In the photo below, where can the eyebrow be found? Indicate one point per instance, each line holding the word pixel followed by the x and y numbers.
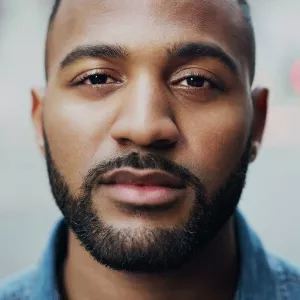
pixel 203 50
pixel 94 51
pixel 182 51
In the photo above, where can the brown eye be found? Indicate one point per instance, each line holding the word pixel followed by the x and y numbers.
pixel 199 81
pixel 98 79
pixel 196 81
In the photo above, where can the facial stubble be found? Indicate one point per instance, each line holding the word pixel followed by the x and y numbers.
pixel 146 250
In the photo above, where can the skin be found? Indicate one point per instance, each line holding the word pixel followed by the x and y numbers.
pixel 148 107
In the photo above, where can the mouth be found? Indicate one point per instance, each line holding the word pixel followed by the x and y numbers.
pixel 142 187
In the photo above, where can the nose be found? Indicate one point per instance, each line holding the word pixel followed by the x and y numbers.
pixel 146 118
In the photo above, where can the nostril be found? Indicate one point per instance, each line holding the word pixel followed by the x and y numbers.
pixel 163 143
pixel 123 141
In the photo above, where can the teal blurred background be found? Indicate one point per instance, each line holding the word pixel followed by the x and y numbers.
pixel 271 199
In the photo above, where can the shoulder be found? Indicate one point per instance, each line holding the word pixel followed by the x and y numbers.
pixel 20 287
pixel 39 282
pixel 287 277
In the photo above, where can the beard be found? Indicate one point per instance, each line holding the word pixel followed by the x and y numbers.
pixel 146 250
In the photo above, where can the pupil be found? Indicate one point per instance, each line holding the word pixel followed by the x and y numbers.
pixel 196 81
pixel 98 79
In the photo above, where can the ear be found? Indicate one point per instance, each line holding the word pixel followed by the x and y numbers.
pixel 260 97
pixel 37 107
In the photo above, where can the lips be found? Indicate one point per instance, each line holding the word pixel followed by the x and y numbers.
pixel 142 187
pixel 142 178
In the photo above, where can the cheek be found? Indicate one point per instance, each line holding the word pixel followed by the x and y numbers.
pixel 75 131
pixel 216 140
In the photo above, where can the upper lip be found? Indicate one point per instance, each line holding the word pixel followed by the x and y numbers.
pixel 142 177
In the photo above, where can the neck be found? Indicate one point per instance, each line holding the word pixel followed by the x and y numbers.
pixel 213 275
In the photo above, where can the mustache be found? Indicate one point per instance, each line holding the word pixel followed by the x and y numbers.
pixel 138 161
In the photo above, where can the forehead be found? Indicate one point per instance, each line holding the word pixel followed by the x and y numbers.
pixel 145 24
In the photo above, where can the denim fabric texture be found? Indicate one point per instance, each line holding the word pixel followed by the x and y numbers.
pixel 262 276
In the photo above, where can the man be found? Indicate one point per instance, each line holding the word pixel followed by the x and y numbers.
pixel 148 124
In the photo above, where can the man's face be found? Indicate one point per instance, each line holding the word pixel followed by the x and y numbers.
pixel 146 125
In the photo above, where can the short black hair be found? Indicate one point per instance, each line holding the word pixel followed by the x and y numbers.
pixel 54 11
pixel 251 43
pixel 247 16
pixel 243 3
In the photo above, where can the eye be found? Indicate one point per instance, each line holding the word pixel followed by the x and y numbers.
pixel 198 81
pixel 98 79
pixel 195 81
pixel 95 78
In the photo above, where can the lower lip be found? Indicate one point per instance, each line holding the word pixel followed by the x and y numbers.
pixel 143 195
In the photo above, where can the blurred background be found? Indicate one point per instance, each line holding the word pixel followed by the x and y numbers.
pixel 271 199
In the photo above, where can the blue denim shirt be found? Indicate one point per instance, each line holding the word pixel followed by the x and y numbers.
pixel 262 276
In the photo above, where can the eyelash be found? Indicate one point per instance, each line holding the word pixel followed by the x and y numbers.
pixel 79 80
pixel 215 84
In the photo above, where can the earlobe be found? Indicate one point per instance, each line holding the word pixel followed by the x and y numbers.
pixel 260 97
pixel 37 105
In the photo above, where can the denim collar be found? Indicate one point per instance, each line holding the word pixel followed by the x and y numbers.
pixel 256 280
